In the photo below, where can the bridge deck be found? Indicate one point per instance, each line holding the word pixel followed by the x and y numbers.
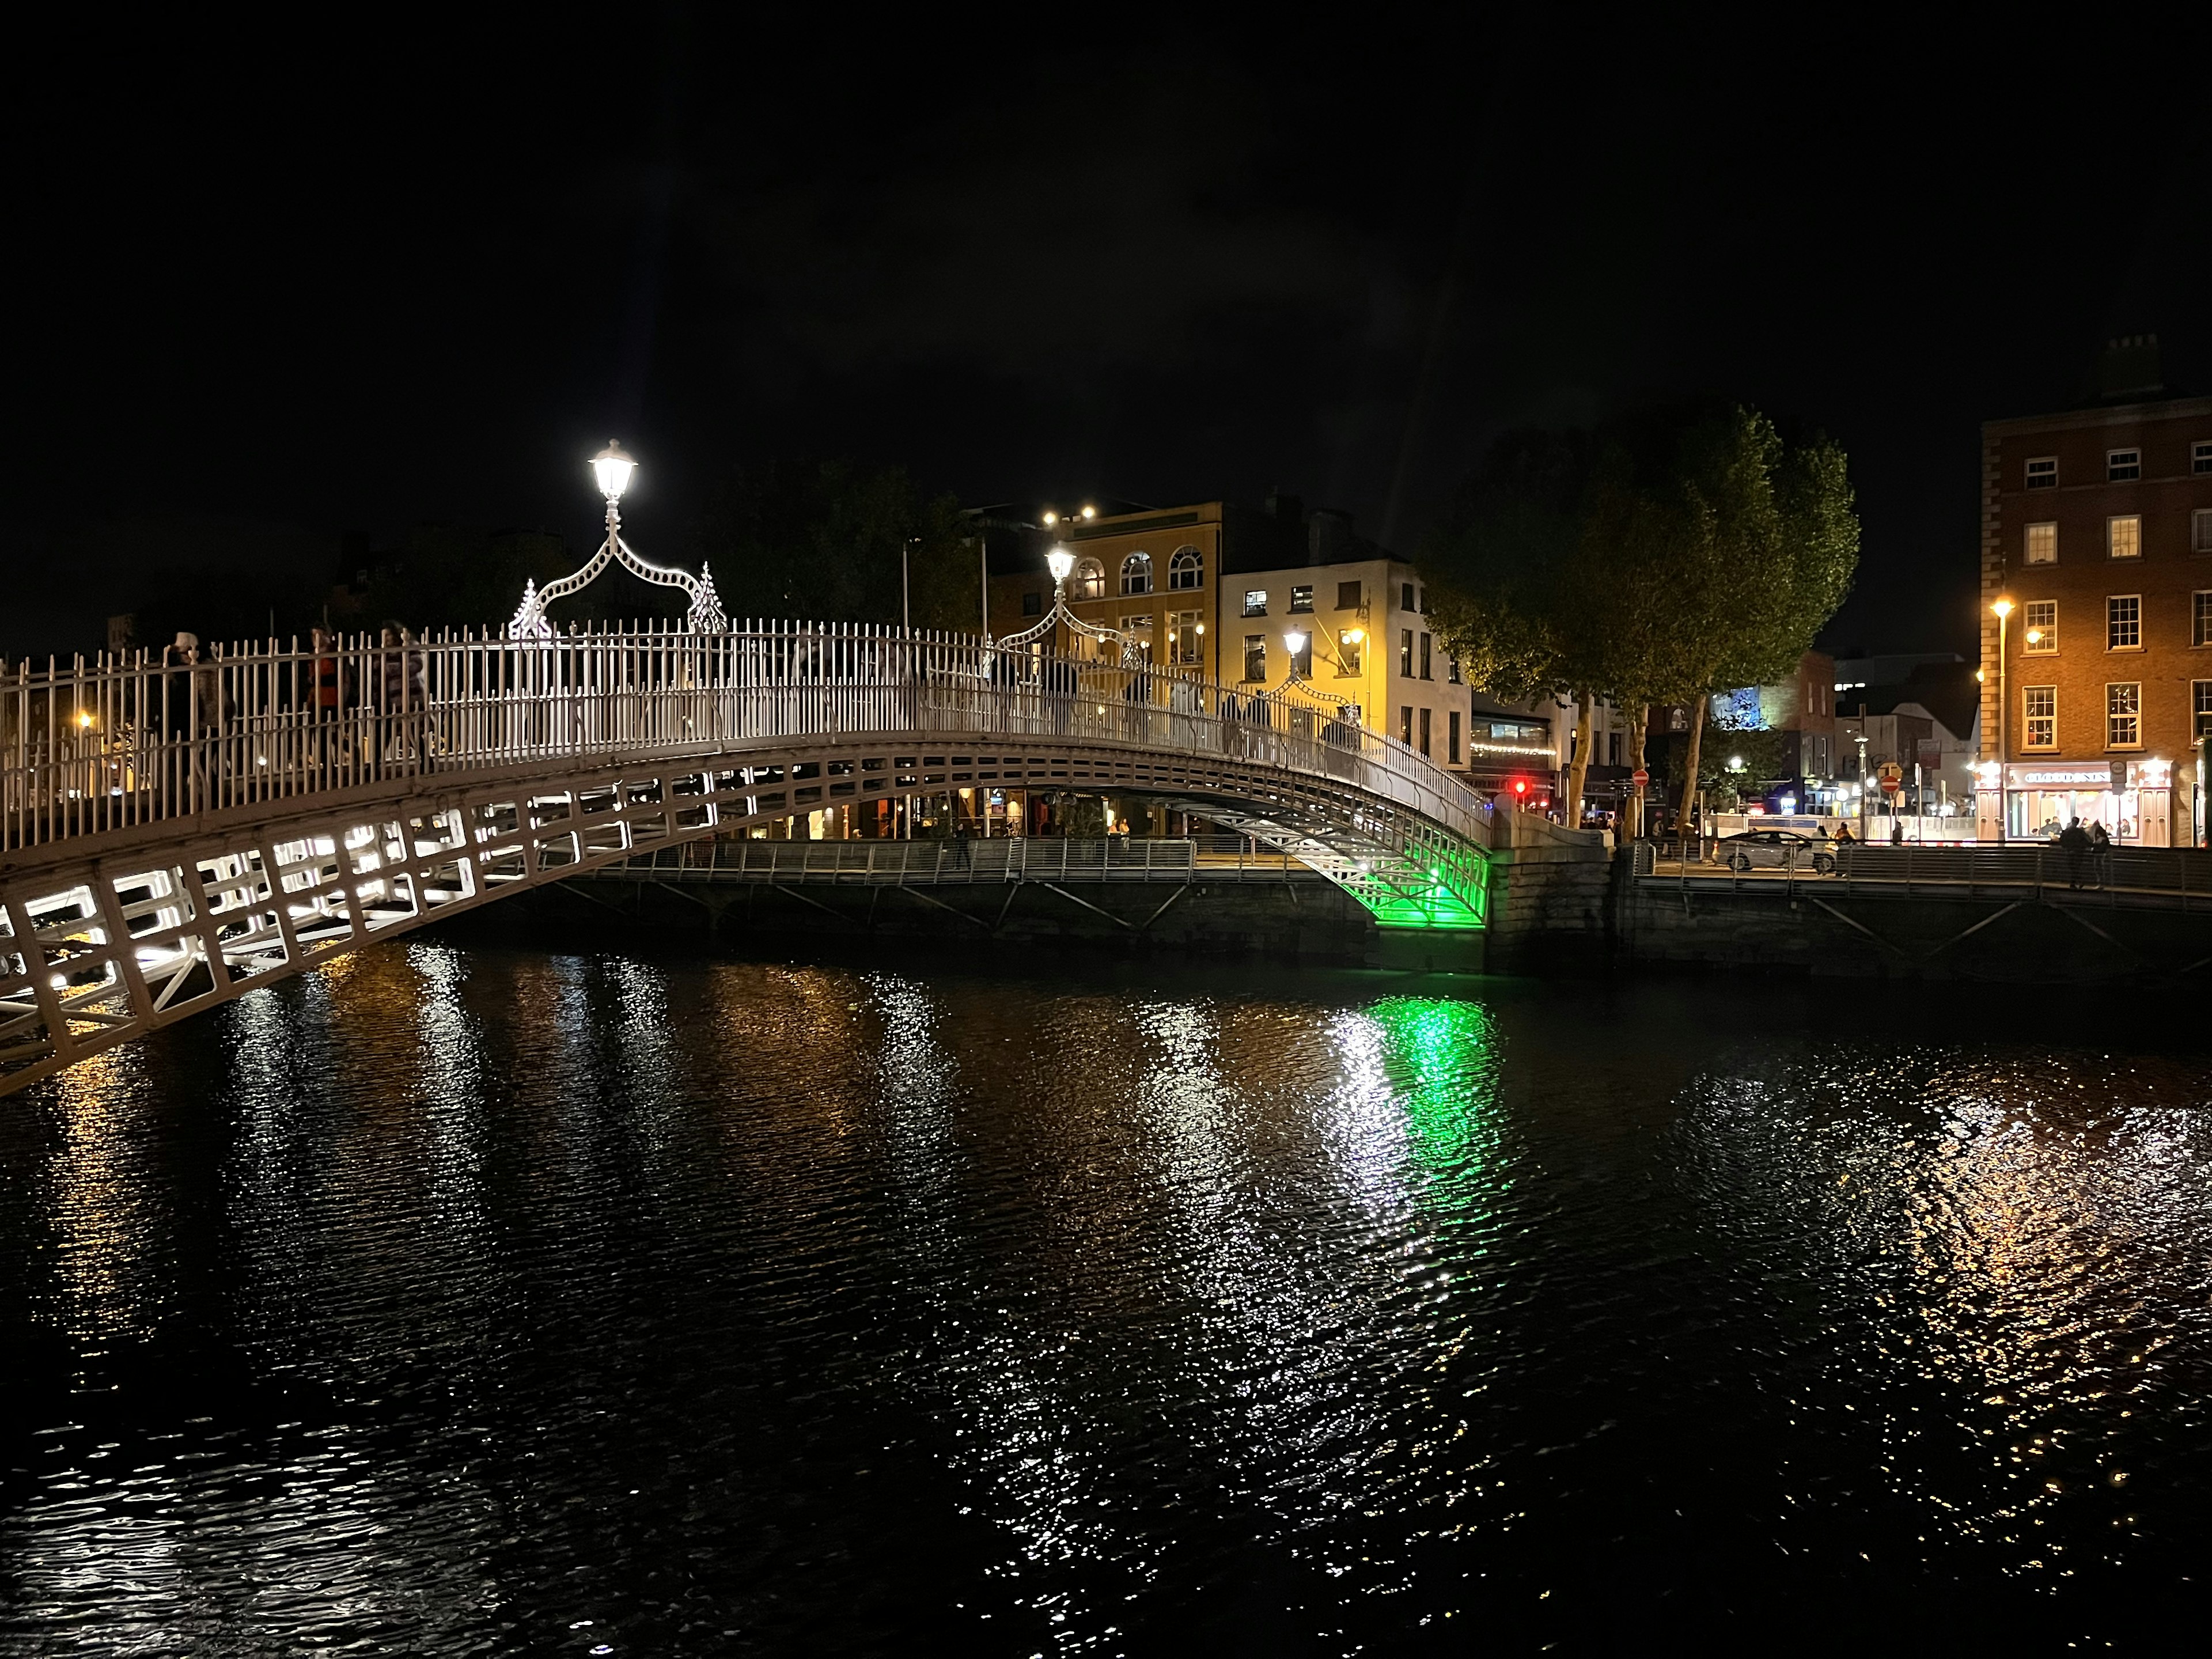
pixel 955 862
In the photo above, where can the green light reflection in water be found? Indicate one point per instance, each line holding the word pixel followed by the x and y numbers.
pixel 1442 1054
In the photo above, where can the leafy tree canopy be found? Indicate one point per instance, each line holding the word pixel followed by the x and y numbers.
pixel 821 540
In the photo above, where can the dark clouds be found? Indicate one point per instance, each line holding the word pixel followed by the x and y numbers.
pixel 416 271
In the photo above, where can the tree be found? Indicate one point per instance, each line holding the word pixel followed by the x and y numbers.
pixel 1660 560
pixel 822 540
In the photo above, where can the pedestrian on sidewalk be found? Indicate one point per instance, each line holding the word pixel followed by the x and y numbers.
pixel 2075 839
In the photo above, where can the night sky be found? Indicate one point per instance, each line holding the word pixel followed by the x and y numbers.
pixel 271 288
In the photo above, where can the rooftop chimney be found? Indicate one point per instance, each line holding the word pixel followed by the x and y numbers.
pixel 2129 369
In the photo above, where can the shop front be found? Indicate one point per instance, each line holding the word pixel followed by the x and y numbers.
pixel 2133 800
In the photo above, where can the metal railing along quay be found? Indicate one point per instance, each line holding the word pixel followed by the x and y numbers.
pixel 954 861
pixel 2176 876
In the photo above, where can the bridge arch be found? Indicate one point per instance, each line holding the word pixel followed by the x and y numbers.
pixel 174 834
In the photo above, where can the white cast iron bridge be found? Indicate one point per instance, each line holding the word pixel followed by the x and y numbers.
pixel 174 833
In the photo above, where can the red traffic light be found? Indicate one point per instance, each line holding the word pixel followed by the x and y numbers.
pixel 1520 786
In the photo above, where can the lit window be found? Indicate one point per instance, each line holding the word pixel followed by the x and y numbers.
pixel 2039 729
pixel 1302 659
pixel 1451 671
pixel 2200 616
pixel 1406 654
pixel 1302 598
pixel 1349 597
pixel 1139 630
pixel 2201 706
pixel 2123 464
pixel 1186 633
pixel 1137 573
pixel 2123 536
pixel 2200 456
pixel 1347 651
pixel 2042 544
pixel 1090 580
pixel 2200 530
pixel 2123 622
pixel 1406 727
pixel 2040 634
pixel 2124 715
pixel 1187 568
pixel 1255 656
pixel 1255 601
pixel 2042 474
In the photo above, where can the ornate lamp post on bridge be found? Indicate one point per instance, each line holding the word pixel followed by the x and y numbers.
pixel 611 468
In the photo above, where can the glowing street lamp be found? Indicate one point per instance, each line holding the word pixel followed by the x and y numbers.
pixel 2002 607
pixel 1060 563
pixel 611 469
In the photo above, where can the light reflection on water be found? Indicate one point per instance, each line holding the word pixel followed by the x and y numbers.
pixel 480 1301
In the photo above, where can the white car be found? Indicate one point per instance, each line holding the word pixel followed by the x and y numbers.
pixel 1781 849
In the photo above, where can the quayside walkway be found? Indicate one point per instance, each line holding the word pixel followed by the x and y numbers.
pixel 175 832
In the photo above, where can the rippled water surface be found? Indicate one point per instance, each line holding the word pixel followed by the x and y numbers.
pixel 483 1300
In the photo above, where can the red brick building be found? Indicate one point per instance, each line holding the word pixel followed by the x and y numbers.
pixel 2097 542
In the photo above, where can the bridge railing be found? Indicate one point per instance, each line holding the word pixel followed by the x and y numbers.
pixel 105 744
pixel 939 862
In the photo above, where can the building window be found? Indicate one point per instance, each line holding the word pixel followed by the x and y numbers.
pixel 2200 702
pixel 1451 671
pixel 1349 597
pixel 1186 568
pixel 2123 536
pixel 1406 727
pixel 2123 622
pixel 1137 573
pixel 2043 473
pixel 1302 659
pixel 1406 596
pixel 2200 456
pixel 1032 604
pixel 1427 717
pixel 1613 748
pixel 1302 598
pixel 1677 719
pixel 1186 633
pixel 2200 530
pixel 2038 707
pixel 1255 601
pixel 1090 580
pixel 1406 652
pixel 2124 715
pixel 1347 651
pixel 2122 465
pixel 1451 736
pixel 1139 630
pixel 1425 674
pixel 2041 636
pixel 2200 616
pixel 1255 656
pixel 2041 546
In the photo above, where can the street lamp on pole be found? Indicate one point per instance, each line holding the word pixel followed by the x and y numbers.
pixel 611 470
pixel 2003 609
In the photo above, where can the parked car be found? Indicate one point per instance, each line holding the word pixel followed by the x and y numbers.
pixel 1784 849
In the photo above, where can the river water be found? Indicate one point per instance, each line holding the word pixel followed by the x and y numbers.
pixel 470 1298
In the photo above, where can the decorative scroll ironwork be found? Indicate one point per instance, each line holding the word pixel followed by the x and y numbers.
pixel 705 616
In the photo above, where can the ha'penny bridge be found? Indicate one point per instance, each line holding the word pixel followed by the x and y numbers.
pixel 174 832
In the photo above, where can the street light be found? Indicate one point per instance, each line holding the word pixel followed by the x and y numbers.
pixel 1060 563
pixel 612 468
pixel 2003 609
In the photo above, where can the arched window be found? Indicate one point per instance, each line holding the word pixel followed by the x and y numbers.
pixel 1137 573
pixel 1090 580
pixel 1185 569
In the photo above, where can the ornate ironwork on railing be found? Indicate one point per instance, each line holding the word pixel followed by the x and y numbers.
pixel 101 746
